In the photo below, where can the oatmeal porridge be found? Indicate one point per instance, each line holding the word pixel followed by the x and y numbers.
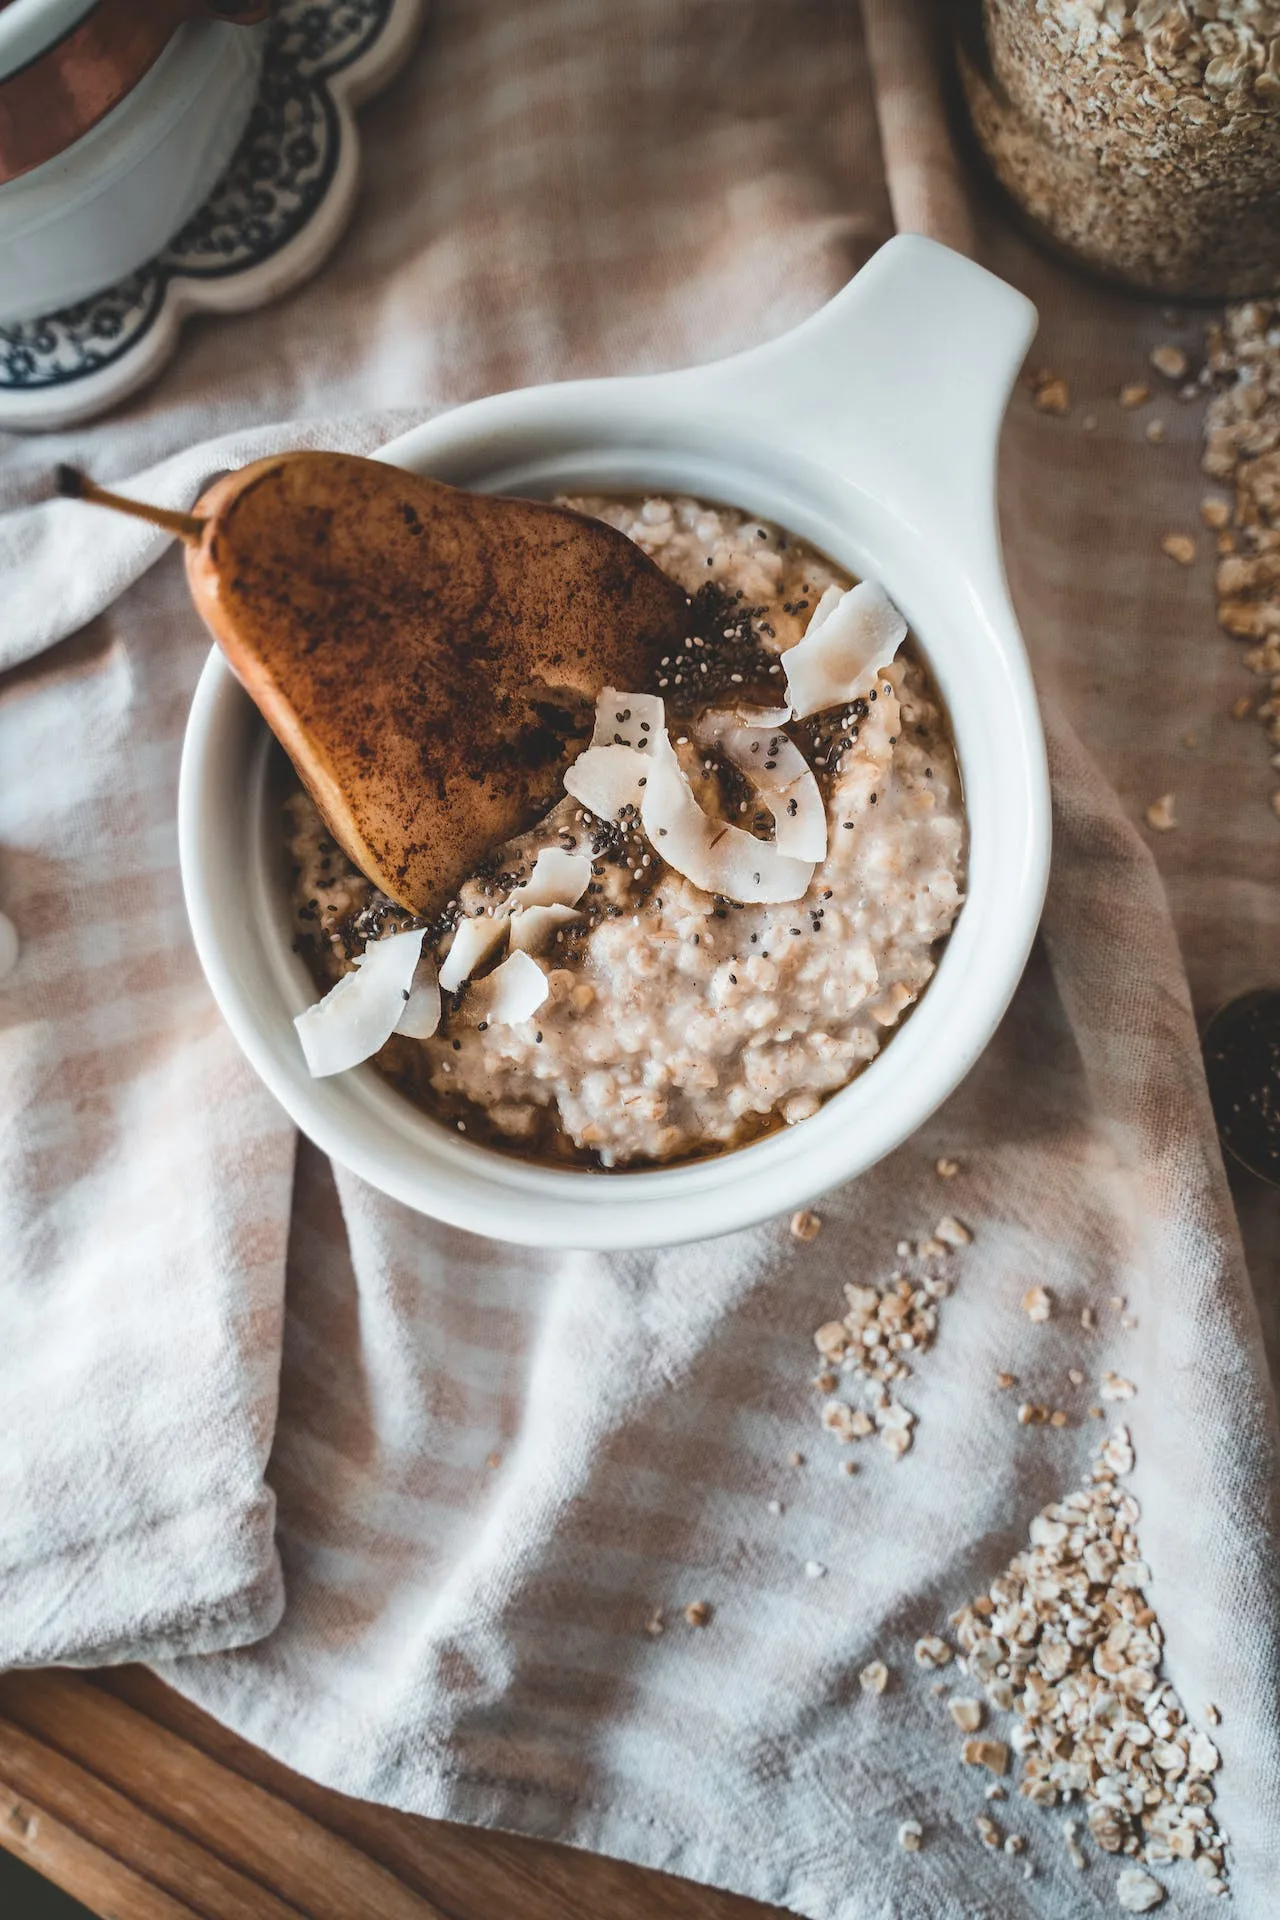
pixel 730 909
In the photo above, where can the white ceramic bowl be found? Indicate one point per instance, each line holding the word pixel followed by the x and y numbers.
pixel 89 216
pixel 870 431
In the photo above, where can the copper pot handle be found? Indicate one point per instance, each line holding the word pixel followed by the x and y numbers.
pixel 56 98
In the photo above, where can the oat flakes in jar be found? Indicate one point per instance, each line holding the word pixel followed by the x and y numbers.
pixel 1142 136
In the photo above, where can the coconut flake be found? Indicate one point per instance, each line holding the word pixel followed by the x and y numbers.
pixel 837 663
pixel 781 776
pixel 758 716
pixel 421 1014
pixel 474 939
pixel 555 886
pixel 610 775
pixel 715 856
pixel 800 820
pixel 532 928
pixel 515 991
pixel 559 879
pixel 608 780
pixel 826 606
pixel 627 719
pixel 360 1013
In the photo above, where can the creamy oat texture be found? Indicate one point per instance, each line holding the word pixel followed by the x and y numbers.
pixel 677 1023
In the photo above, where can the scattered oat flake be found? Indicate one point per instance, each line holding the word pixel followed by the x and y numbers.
pixel 1242 706
pixel 1212 1715
pixel 1057 1418
pixel 1037 1304
pixel 805 1225
pixel 874 1677
pixel 1137 1892
pixel 493 1460
pixel 814 1570
pixel 1171 361
pixel 776 1507
pixel 795 1459
pixel 988 1832
pixel 655 1624
pixel 1051 394
pixel 932 1651
pixel 910 1836
pixel 1070 1828
pixel 967 1714
pixel 698 1613
pixel 1066 1638
pixel 946 1169
pixel 831 1339
pixel 991 1754
pixel 886 1326
pixel 1161 817
pixel 953 1232
pixel 1154 431
pixel 1135 394
pixel 1180 547
pixel 1015 1843
pixel 838 1418
pixel 1214 512
pixel 1075 1376
pixel 1090 423
pixel 1086 1319
pixel 1004 1380
pixel 1114 1386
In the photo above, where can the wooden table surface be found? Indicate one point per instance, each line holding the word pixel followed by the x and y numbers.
pixel 145 1809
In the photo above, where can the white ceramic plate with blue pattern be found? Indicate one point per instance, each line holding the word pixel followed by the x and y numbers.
pixel 272 220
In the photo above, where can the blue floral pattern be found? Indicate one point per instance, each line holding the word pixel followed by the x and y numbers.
pixel 279 175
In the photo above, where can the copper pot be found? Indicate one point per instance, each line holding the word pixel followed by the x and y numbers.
pixel 48 104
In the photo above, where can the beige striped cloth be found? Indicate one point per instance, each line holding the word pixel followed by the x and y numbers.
pixel 397 1503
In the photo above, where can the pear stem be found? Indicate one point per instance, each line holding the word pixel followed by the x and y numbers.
pixel 74 485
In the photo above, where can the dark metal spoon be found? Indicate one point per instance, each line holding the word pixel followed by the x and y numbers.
pixel 1242 1061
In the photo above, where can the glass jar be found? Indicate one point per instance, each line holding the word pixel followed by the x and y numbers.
pixel 1143 136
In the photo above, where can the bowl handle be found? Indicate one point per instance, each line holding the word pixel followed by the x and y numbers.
pixel 898 385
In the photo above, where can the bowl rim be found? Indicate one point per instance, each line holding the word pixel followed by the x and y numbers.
pixel 644 433
pixel 642 1198
pixel 30 28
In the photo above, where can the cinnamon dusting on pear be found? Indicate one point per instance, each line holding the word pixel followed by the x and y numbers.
pixel 429 658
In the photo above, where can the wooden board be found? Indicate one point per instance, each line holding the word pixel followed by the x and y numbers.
pixel 143 1808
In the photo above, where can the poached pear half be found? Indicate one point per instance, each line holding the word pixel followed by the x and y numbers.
pixel 428 658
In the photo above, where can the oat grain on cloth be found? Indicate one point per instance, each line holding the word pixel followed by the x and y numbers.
pixel 478 1480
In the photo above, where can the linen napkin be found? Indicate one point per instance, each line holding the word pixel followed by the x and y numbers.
pixel 493 1474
